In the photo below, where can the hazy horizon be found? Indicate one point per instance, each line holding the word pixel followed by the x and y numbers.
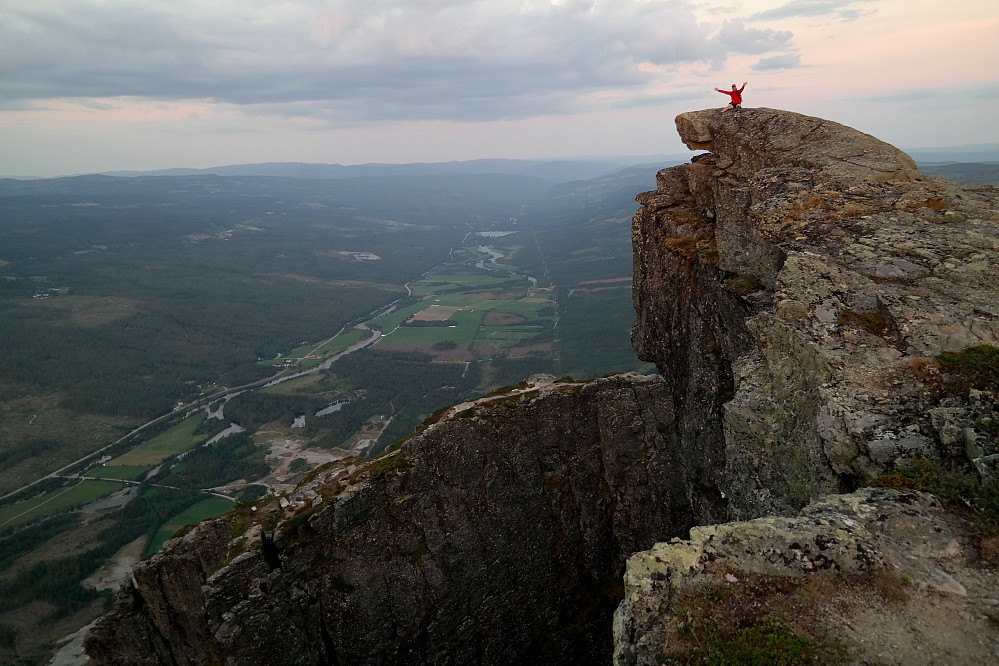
pixel 91 86
pixel 982 152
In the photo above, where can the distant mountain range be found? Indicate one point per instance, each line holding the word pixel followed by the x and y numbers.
pixel 981 152
pixel 556 170
pixel 966 164
pixel 964 172
pixel 977 163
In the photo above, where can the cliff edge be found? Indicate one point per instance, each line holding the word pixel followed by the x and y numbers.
pixel 795 287
pixel 804 272
pixel 862 288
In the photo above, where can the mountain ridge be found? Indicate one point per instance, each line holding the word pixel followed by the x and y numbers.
pixel 793 286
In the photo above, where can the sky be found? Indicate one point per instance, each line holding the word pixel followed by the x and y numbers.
pixel 98 85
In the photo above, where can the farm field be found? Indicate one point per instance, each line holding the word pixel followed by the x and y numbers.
pixel 293 385
pixel 176 440
pixel 469 308
pixel 309 355
pixel 342 341
pixel 127 472
pixel 207 508
pixel 14 515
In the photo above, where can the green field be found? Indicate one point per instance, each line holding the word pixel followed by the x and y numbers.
pixel 176 440
pixel 293 385
pixel 330 348
pixel 467 322
pixel 396 317
pixel 129 472
pixel 342 341
pixel 55 501
pixel 452 283
pixel 506 337
pixel 207 508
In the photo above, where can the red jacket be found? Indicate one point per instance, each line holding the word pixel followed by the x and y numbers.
pixel 736 95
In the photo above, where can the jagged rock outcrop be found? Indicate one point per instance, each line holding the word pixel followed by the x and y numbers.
pixel 793 286
pixel 496 536
pixel 807 275
pixel 880 570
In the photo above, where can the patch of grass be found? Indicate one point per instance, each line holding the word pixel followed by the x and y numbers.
pixel 382 467
pixel 419 553
pixel 952 486
pixel 978 365
pixel 128 472
pixel 54 502
pixel 297 385
pixel 758 620
pixel 764 643
pixel 186 520
pixel 177 439
pixel 875 323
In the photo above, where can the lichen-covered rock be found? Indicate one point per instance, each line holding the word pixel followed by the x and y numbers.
pixel 907 535
pixel 753 140
pixel 794 287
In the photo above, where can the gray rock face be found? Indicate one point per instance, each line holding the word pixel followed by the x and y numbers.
pixel 872 535
pixel 792 286
pixel 496 536
pixel 753 140
pixel 810 267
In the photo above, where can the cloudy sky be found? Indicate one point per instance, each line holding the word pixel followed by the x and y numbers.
pixel 97 85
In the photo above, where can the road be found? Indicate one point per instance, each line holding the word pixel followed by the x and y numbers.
pixel 204 400
pixel 361 323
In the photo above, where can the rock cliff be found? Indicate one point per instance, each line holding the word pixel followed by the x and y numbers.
pixel 807 275
pixel 793 286
pixel 872 577
pixel 497 535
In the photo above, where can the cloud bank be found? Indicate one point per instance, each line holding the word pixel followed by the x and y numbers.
pixel 845 10
pixel 349 60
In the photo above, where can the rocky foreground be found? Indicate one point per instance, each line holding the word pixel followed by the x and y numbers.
pixel 795 286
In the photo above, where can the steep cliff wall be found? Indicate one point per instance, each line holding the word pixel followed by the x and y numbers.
pixel 855 275
pixel 806 275
pixel 497 536
pixel 792 286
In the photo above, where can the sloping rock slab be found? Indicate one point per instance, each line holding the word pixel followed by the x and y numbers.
pixel 951 606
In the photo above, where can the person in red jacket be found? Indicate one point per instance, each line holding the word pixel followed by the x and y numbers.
pixel 736 96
